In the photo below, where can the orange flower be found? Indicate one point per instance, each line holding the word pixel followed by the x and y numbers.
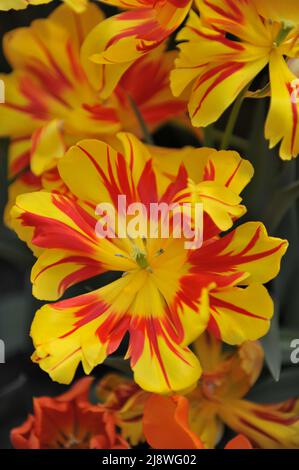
pixel 166 426
pixel 68 421
pixel 196 420
pixel 219 399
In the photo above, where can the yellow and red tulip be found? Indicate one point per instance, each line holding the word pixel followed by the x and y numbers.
pixel 196 420
pixel 166 301
pixel 50 102
pixel 115 44
pixel 224 49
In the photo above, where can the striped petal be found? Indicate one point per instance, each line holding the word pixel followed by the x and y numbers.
pixel 240 18
pixel 247 250
pixel 48 82
pixel 236 316
pixel 215 179
pixel 26 183
pixel 218 86
pixel 47 146
pixel 88 328
pixel 153 96
pixel 110 173
pixel 246 256
pixel 19 155
pixel 266 426
pixel 120 40
pixel 282 124
pixel 66 233
pixel 217 68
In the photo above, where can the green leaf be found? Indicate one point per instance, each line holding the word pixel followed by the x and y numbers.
pixel 281 203
pixel 266 166
pixel 271 345
pixel 14 250
pixel 14 325
pixel 269 391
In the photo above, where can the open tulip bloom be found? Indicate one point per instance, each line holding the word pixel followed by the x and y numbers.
pixel 166 295
pixel 224 49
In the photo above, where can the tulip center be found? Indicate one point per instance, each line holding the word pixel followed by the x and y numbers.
pixel 141 260
pixel 282 35
pixel 140 255
pixel 71 441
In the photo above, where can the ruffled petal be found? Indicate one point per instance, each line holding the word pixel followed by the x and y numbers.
pixel 282 124
pixel 88 328
pixel 166 423
pixel 66 233
pixel 248 249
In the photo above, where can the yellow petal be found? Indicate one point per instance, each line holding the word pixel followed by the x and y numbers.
pixel 20 4
pixel 277 10
pixel 77 25
pixel 282 123
pixel 47 147
pixel 239 315
pixel 254 252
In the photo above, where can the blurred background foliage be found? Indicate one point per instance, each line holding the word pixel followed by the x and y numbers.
pixel 271 197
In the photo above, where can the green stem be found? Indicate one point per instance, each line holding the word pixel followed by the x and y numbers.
pixel 233 119
pixel 146 134
pixel 236 141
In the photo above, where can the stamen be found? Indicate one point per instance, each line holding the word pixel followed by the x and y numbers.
pixel 160 252
pixel 141 260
